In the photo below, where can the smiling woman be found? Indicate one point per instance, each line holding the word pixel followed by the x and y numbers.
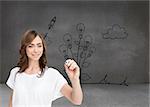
pixel 33 48
pixel 34 84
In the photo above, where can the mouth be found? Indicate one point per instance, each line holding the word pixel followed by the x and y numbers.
pixel 35 55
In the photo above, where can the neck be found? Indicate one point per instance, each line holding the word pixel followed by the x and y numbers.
pixel 33 67
pixel 33 63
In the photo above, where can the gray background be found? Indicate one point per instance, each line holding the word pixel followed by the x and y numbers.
pixel 0 45
pixel 118 58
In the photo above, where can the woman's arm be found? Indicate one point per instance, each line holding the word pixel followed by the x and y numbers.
pixel 74 93
pixel 10 101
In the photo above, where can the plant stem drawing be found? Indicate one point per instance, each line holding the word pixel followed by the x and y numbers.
pixel 80 50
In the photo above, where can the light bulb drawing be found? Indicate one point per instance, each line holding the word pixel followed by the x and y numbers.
pixel 80 50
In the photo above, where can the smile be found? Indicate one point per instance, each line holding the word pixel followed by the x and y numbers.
pixel 35 55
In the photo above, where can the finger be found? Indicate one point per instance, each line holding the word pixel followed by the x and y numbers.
pixel 73 66
pixel 69 62
pixel 66 68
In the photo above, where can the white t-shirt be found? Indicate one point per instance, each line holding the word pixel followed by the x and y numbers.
pixel 31 91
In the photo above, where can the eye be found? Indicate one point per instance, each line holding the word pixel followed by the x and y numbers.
pixel 39 46
pixel 30 46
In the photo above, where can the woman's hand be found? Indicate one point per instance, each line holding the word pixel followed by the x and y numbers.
pixel 72 69
pixel 74 93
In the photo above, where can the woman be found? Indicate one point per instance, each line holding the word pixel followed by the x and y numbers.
pixel 36 85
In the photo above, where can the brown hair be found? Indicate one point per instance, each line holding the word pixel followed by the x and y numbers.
pixel 28 37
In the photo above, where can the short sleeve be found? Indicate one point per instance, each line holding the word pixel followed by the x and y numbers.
pixel 60 82
pixel 11 79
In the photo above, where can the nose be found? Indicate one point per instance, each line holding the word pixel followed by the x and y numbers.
pixel 35 49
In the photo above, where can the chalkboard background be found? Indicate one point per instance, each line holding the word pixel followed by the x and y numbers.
pixel 0 43
pixel 119 32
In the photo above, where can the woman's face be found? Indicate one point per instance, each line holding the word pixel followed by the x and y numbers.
pixel 35 49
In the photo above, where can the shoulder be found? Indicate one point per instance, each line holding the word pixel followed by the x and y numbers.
pixel 52 71
pixel 14 70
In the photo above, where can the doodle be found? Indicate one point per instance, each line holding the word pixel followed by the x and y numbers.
pixel 63 50
pixel 52 22
pixel 124 82
pixel 50 26
pixel 115 32
pixel 80 28
pixel 47 39
pixel 105 81
pixel 82 47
